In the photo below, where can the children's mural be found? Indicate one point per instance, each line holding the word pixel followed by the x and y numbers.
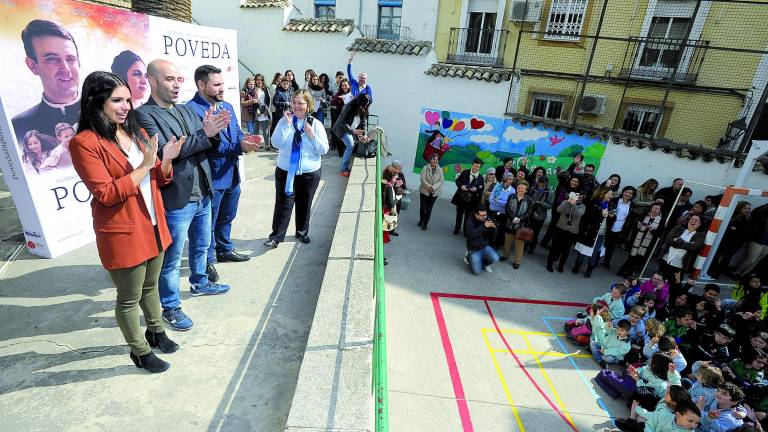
pixel 459 138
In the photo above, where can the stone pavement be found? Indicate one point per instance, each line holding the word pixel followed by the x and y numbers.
pixel 64 365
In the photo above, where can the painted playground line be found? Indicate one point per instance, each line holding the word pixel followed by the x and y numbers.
pixel 555 402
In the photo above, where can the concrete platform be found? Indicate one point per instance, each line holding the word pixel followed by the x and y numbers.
pixel 64 366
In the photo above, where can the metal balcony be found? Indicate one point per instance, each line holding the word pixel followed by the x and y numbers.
pixel 475 46
pixel 662 59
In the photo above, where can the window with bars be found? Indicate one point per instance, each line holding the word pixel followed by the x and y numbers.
pixel 642 119
pixel 566 19
pixel 547 105
pixel 325 8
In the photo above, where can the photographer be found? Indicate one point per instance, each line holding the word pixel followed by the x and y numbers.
pixel 480 234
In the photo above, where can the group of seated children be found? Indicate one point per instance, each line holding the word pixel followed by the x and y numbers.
pixel 690 362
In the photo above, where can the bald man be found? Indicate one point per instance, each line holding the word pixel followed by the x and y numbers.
pixel 187 199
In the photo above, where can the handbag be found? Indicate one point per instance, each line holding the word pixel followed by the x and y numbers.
pixel 524 233
pixel 616 385
pixel 465 195
pixel 405 203
pixel 390 220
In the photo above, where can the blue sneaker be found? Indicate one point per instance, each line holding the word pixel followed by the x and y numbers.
pixel 177 319
pixel 210 289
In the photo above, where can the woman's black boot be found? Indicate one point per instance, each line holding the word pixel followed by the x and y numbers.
pixel 161 340
pixel 150 362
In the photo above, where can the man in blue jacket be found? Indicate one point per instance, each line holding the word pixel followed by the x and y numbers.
pixel 223 160
pixel 359 85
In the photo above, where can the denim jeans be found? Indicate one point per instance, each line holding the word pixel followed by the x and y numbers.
pixel 250 126
pixel 481 258
pixel 223 212
pixel 347 158
pixel 595 347
pixel 192 221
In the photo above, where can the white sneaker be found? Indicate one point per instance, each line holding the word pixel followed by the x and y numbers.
pixel 706 278
pixel 488 269
pixel 466 257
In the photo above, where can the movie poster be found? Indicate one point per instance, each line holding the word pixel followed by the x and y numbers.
pixel 459 138
pixel 49 48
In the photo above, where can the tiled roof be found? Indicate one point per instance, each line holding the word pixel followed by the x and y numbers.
pixel 263 3
pixel 482 73
pixel 323 25
pixel 681 150
pixel 386 46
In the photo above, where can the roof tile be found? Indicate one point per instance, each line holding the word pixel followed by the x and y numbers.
pixel 386 46
pixel 480 73
pixel 319 25
pixel 263 3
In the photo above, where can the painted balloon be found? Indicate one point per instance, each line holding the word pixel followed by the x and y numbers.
pixel 447 123
pixel 431 117
pixel 476 123
pixel 446 114
pixel 458 126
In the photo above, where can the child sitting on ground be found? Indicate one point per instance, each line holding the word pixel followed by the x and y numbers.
pixel 746 370
pixel 674 396
pixel 653 379
pixel 714 347
pixel 678 325
pixel 608 345
pixel 612 300
pixel 686 417
pixel 637 331
pixel 708 379
pixel 647 301
pixel 725 413
pixel 668 346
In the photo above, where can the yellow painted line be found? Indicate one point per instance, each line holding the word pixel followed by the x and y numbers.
pixel 523 332
pixel 543 353
pixel 549 382
pixel 504 384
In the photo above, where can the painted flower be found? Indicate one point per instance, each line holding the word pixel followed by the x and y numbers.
pixel 552 159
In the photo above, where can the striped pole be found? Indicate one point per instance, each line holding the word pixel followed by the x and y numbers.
pixel 718 221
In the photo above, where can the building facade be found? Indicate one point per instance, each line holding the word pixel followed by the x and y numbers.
pixel 682 71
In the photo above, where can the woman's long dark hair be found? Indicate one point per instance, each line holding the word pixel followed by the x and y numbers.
pixel 659 365
pixel 97 89
pixel 359 105
pixel 47 143
pixel 294 84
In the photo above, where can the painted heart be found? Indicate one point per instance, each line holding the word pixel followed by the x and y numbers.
pixel 458 126
pixel 476 123
pixel 447 123
pixel 431 117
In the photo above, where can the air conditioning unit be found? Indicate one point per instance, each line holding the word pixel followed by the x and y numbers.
pixel 592 104
pixel 525 11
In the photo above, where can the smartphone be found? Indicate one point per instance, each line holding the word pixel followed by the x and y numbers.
pixel 573 196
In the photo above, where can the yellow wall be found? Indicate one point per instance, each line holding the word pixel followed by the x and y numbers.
pixel 695 118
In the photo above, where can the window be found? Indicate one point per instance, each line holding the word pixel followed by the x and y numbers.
pixel 481 28
pixel 566 18
pixel 547 105
pixel 665 36
pixel 325 8
pixel 642 119
pixel 390 14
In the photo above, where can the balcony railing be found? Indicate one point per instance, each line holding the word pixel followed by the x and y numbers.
pixel 658 59
pixel 477 46
pixel 390 32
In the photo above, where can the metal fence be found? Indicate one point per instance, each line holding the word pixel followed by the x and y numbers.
pixel 477 46
pixel 380 388
pixel 693 72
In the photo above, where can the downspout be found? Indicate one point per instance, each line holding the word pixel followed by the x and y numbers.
pixel 360 15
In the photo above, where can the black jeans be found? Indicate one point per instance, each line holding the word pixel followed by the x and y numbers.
pixel 562 242
pixel 426 202
pixel 551 228
pixel 304 187
pixel 612 239
pixel 462 214
pixel 669 272
pixel 536 225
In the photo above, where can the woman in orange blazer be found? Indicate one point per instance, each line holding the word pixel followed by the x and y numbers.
pixel 119 165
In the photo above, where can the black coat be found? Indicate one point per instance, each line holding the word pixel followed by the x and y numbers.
pixel 590 223
pixel 524 212
pixel 478 235
pixel 692 248
pixel 463 180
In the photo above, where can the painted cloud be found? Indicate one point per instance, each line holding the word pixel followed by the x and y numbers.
pixel 516 135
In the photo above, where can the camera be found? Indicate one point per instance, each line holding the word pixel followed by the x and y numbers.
pixel 573 196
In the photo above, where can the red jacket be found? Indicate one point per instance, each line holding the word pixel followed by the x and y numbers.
pixel 125 236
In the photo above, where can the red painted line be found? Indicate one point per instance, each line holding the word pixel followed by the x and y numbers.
pixel 508 299
pixel 453 370
pixel 525 371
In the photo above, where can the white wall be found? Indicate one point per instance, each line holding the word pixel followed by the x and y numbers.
pixel 637 165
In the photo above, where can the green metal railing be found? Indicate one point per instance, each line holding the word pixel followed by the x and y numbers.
pixel 380 389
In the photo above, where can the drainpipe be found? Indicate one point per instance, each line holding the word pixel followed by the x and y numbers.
pixel 360 16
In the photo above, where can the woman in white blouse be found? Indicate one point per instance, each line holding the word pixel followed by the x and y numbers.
pixel 301 141
pixel 680 250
